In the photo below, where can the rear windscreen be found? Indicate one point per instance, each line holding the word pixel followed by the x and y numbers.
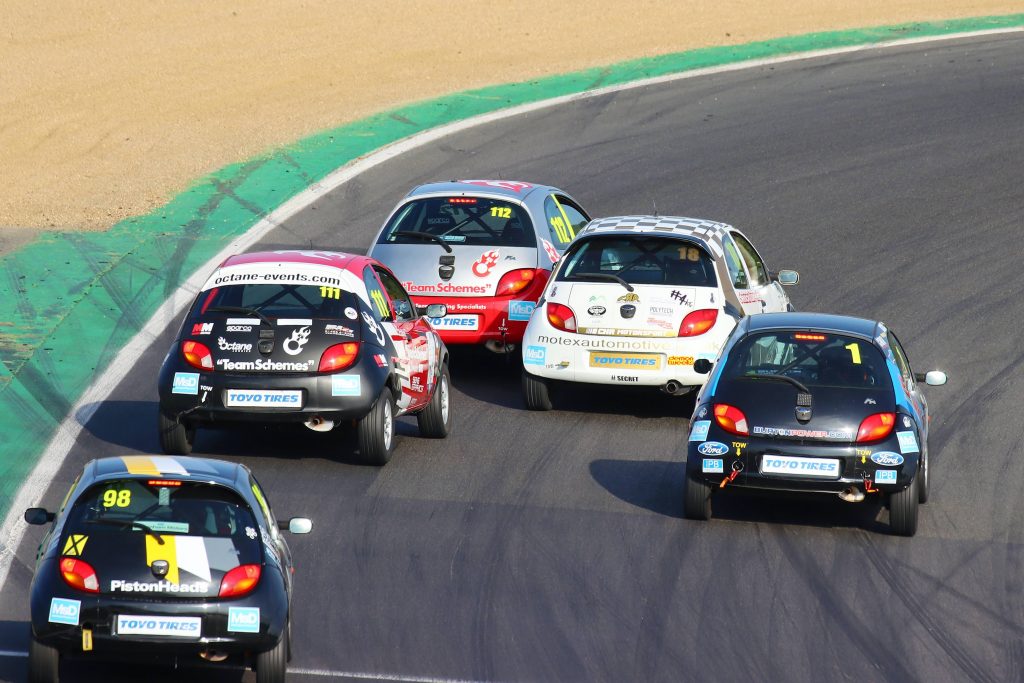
pixel 641 261
pixel 461 220
pixel 815 359
pixel 277 300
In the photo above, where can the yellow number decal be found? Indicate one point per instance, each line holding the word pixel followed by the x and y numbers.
pixel 330 293
pixel 501 211
pixel 115 498
pixel 693 254
pixel 854 350
pixel 559 225
pixel 382 305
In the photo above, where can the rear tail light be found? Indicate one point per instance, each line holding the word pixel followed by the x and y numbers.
pixel 339 357
pixel 197 355
pixel 698 322
pixel 515 281
pixel 79 575
pixel 561 317
pixel 731 419
pixel 875 427
pixel 239 581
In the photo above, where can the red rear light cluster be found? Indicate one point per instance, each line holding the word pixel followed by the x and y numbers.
pixel 515 281
pixel 561 317
pixel 79 575
pixel 339 357
pixel 239 581
pixel 197 355
pixel 875 427
pixel 731 419
pixel 698 322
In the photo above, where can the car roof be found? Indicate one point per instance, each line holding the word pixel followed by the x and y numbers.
pixel 178 468
pixel 708 232
pixel 505 189
pixel 316 257
pixel 824 322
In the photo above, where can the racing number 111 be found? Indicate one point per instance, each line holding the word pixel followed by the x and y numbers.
pixel 330 293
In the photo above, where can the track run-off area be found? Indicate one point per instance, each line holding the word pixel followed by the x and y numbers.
pixel 536 547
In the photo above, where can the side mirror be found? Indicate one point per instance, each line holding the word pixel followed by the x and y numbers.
pixel 296 525
pixel 436 310
pixel 933 378
pixel 37 516
pixel 787 278
pixel 702 366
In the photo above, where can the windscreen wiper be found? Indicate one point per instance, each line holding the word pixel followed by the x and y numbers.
pixel 780 378
pixel 244 310
pixel 426 237
pixel 600 276
pixel 129 523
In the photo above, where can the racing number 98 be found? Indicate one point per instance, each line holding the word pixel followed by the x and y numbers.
pixel 116 498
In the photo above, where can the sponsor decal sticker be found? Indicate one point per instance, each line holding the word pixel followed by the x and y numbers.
pixel 266 364
pixel 712 448
pixel 622 345
pixel 625 378
pixel 699 430
pixel 444 288
pixel 680 360
pixel 162 586
pixel 738 446
pixel 803 433
pixel 63 611
pixel 887 459
pixel 684 297
pixel 550 250
pixel 250 533
pixel 712 465
pixel 178 627
pixel 631 298
pixel 244 619
pixel 821 468
pixel 75 545
pixel 659 322
pixel 235 347
pixel 202 328
pixel 346 385
pixel 263 398
pixel 597 311
pixel 483 266
pixel 185 383
pixel 906 421
pixel 703 411
pixel 380 360
pixel 660 310
pixel 350 313
pixel 339 331
pixel 535 355
pixel 466 307
pixel 457 322
pixel 632 361
pixel 295 341
pixel 625 332
pixel 908 442
pixel 885 477
pixel 521 310
pixel 375 329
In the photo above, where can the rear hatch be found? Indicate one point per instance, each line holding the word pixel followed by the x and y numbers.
pixel 648 311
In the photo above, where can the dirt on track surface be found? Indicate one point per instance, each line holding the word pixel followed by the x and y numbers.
pixel 107 108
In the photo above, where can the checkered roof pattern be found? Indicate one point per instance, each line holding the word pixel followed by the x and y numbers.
pixel 709 231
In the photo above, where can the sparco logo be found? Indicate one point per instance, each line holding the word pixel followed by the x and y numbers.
pixel 158 587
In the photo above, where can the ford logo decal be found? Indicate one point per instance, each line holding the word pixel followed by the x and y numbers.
pixel 596 310
pixel 712 448
pixel 887 458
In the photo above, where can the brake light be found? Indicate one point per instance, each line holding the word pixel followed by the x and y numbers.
pixel 561 317
pixel 875 427
pixel 698 322
pixel 462 200
pixel 731 419
pixel 79 575
pixel 239 581
pixel 197 355
pixel 515 281
pixel 339 357
pixel 800 336
pixel 163 482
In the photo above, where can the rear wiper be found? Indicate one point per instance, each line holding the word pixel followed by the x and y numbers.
pixel 245 310
pixel 129 523
pixel 600 276
pixel 425 236
pixel 781 378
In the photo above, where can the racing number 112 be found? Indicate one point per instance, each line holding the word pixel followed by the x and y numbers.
pixel 501 211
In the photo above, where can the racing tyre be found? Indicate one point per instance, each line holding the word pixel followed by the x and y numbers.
pixel 376 430
pixel 903 510
pixel 43 663
pixel 922 474
pixel 536 393
pixel 696 499
pixel 435 421
pixel 176 438
pixel 272 664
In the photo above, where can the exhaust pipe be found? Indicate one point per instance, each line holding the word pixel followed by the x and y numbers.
pixel 319 424
pixel 674 388
pixel 213 655
pixel 852 495
pixel 495 346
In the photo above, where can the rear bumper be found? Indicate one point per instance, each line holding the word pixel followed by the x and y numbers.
pixel 478 320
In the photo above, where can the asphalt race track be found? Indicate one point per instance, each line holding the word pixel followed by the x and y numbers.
pixel 541 547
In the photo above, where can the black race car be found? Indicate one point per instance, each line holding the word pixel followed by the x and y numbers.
pixel 812 402
pixel 311 337
pixel 167 557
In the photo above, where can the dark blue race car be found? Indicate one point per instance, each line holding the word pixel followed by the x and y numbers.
pixel 812 402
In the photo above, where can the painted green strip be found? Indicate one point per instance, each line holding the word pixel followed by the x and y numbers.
pixel 70 301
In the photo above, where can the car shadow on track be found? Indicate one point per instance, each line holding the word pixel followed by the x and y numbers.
pixel 657 485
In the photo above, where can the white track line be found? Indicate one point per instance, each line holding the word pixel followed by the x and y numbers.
pixel 12 653
pixel 362 676
pixel 60 445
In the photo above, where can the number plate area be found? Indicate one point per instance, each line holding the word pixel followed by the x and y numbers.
pixel 456 322
pixel 172 627
pixel 805 468
pixel 282 399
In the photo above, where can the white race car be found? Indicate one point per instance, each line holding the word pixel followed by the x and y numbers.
pixel 636 300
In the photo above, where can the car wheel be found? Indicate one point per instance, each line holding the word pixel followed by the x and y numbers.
pixel 536 393
pixel 272 664
pixel 176 438
pixel 376 430
pixel 43 663
pixel 696 499
pixel 903 510
pixel 435 421
pixel 922 474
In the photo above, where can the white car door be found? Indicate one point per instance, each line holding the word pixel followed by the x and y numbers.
pixel 756 290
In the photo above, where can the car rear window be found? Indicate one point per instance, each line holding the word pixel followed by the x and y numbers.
pixel 462 220
pixel 278 300
pixel 135 506
pixel 813 358
pixel 641 261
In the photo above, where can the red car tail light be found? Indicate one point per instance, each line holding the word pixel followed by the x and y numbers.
pixel 79 575
pixel 239 581
pixel 875 427
pixel 515 281
pixel 197 355
pixel 561 317
pixel 731 419
pixel 698 322
pixel 339 357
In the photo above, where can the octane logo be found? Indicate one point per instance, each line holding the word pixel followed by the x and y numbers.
pixel 712 448
pixel 887 459
pixel 483 265
pixel 294 343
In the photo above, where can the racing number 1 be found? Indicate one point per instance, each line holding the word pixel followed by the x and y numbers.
pixel 854 350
